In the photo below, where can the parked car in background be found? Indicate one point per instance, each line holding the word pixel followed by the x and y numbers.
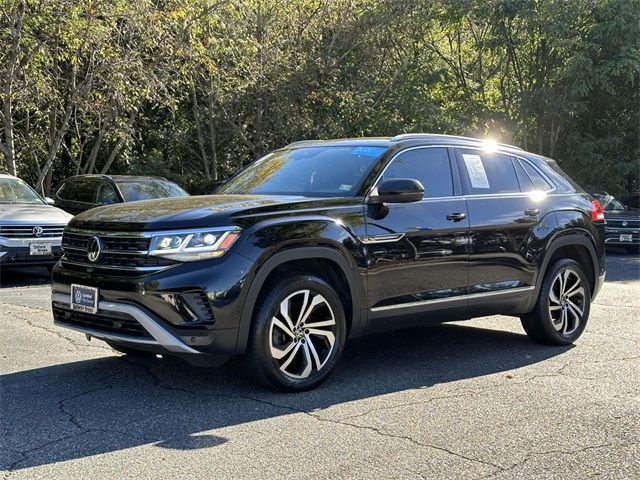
pixel 632 201
pixel 210 188
pixel 30 227
pixel 83 192
pixel 321 241
pixel 623 221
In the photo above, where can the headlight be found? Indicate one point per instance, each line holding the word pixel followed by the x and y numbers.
pixel 188 246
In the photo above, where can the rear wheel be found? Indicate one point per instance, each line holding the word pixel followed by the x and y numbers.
pixel 298 334
pixel 562 309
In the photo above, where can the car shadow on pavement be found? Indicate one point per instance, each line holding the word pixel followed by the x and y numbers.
pixel 23 277
pixel 76 410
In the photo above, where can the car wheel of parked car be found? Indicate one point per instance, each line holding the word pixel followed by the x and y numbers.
pixel 562 310
pixel 298 333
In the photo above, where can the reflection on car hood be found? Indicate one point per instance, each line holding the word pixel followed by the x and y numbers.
pixel 192 212
pixel 26 214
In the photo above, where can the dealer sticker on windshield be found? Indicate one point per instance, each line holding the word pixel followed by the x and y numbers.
pixel 475 168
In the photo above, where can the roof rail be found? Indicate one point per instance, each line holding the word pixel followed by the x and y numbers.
pixel 410 136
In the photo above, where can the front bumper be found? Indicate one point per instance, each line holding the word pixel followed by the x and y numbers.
pixel 141 310
pixel 615 236
pixel 15 252
pixel 156 339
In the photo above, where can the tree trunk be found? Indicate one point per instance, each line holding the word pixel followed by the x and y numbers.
pixel 93 154
pixel 8 147
pixel 212 133
pixel 121 141
pixel 196 119
pixel 56 140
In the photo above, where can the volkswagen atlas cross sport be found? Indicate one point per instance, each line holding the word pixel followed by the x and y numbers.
pixel 30 227
pixel 327 240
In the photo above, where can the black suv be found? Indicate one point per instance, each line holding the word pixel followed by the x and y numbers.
pixel 327 240
pixel 83 192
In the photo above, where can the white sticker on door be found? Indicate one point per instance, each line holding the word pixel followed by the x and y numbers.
pixel 476 171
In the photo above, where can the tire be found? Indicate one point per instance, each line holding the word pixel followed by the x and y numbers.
pixel 283 352
pixel 128 351
pixel 556 317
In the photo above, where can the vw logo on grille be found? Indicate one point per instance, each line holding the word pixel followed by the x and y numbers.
pixel 37 231
pixel 625 223
pixel 93 249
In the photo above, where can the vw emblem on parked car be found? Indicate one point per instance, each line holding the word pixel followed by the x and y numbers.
pixel 625 223
pixel 37 231
pixel 94 248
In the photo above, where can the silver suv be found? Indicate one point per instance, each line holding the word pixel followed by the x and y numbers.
pixel 30 226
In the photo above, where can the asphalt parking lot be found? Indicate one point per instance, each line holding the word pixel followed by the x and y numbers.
pixel 465 400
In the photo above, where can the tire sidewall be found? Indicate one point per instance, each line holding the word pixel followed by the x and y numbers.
pixel 543 310
pixel 270 306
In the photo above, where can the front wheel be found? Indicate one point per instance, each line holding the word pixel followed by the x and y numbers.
pixel 562 309
pixel 298 334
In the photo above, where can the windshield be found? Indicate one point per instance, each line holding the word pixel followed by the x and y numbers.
pixel 308 171
pixel 149 189
pixel 609 202
pixel 14 190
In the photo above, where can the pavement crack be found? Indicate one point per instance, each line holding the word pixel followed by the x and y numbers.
pixel 377 431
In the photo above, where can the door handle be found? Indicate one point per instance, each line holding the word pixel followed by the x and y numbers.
pixel 532 212
pixel 456 217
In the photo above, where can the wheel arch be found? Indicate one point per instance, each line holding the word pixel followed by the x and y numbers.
pixel 300 254
pixel 576 245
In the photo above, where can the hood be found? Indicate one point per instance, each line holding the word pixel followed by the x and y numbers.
pixel 194 212
pixel 26 214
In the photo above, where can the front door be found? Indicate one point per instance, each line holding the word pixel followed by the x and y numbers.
pixel 417 252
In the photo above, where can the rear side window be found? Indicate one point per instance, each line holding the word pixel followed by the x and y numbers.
pixel 430 166
pixel 536 177
pixel 487 172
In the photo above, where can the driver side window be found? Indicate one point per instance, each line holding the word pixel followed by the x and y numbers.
pixel 430 166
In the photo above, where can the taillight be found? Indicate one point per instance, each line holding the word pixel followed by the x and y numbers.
pixel 597 214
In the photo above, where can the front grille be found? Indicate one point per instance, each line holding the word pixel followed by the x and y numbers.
pixel 27 231
pixel 114 322
pixel 618 223
pixel 121 255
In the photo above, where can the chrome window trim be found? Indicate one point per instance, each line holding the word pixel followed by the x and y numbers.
pixel 457 298
pixel 455 147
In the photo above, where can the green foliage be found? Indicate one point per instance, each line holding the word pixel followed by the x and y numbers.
pixel 195 89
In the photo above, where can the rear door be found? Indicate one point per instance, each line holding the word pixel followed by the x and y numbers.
pixel 418 251
pixel 505 208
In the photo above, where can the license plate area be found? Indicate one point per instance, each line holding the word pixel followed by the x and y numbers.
pixel 39 248
pixel 84 299
pixel 626 237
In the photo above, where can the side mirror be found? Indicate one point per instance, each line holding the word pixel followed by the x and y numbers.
pixel 398 190
pixel 49 201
